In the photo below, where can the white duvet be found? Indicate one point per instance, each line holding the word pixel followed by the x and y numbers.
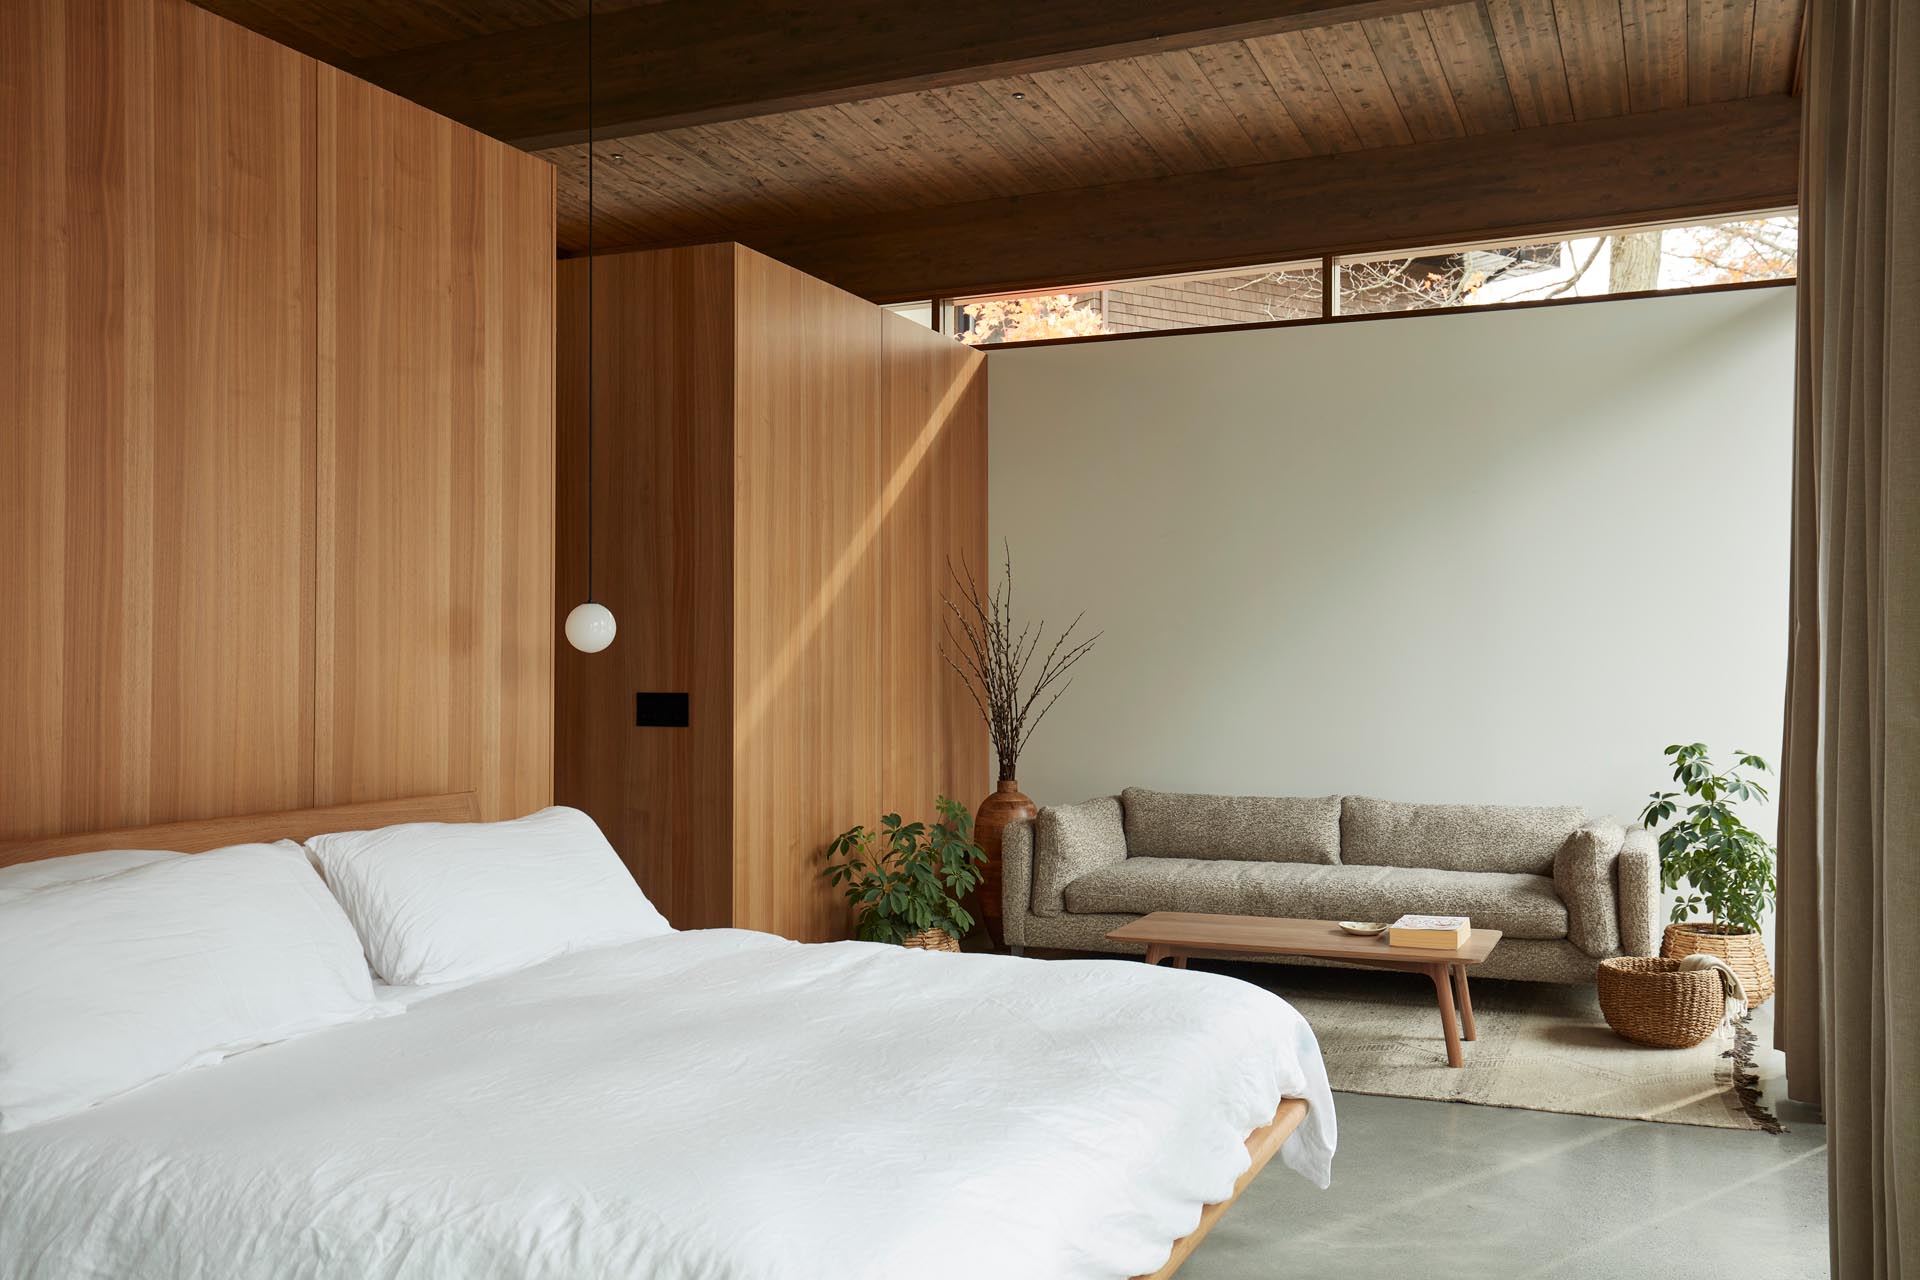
pixel 716 1104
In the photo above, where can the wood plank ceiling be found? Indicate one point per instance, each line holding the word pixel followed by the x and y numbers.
pixel 1288 87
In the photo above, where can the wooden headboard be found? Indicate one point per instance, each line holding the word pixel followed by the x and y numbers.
pixel 247 828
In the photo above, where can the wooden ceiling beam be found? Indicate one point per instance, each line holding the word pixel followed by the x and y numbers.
pixel 1691 162
pixel 665 66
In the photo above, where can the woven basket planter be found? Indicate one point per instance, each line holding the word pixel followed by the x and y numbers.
pixel 1744 953
pixel 931 940
pixel 1649 1000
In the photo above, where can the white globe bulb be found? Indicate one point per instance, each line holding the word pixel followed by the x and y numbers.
pixel 590 627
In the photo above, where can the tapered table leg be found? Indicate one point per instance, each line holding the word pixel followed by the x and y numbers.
pixel 1466 1002
pixel 1442 976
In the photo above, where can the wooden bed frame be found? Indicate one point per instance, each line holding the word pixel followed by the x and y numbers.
pixel 200 835
pixel 1262 1145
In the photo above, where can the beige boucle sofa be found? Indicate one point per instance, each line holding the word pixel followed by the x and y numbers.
pixel 1566 890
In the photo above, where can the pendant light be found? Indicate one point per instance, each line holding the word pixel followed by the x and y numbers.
pixel 590 626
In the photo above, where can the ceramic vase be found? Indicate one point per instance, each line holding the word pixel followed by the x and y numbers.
pixel 1006 805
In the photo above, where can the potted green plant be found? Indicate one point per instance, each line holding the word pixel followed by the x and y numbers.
pixel 1727 867
pixel 907 880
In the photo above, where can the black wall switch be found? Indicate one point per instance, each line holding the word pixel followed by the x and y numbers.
pixel 660 710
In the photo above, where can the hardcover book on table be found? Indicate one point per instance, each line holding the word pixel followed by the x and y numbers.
pixel 1439 933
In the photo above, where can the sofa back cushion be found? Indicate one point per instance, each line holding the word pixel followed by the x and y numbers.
pixel 1162 824
pixel 1519 839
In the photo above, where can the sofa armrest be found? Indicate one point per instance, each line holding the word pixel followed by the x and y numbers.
pixel 1583 877
pixel 1016 881
pixel 1637 875
pixel 1070 840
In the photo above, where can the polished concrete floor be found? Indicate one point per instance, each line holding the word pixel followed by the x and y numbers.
pixel 1436 1189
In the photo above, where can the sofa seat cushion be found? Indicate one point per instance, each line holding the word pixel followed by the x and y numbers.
pixel 1166 824
pixel 1455 837
pixel 1520 906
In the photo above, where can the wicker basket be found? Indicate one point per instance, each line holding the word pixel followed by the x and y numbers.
pixel 1744 953
pixel 1649 1000
pixel 931 940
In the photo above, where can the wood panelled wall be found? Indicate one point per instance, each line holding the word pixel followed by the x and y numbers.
pixel 663 555
pixel 275 433
pixel 435 475
pixel 783 471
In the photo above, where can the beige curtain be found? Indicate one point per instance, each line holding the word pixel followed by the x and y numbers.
pixel 1849 914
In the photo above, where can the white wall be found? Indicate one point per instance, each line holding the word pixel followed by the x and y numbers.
pixel 1496 557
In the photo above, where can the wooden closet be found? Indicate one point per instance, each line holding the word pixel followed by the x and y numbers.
pixel 782 472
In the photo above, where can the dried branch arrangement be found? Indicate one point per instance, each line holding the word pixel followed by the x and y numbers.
pixel 994 661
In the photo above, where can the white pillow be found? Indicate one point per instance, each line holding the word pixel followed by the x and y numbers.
pixel 108 984
pixel 440 902
pixel 29 876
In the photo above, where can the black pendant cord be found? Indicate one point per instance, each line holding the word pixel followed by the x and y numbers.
pixel 591 354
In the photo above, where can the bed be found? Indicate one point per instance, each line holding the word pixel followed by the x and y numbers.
pixel 714 1103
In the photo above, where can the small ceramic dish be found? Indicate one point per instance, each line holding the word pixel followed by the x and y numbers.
pixel 1365 928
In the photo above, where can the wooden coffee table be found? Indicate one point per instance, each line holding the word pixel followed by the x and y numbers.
pixel 1175 935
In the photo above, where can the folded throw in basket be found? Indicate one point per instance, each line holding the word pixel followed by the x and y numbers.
pixel 1729 981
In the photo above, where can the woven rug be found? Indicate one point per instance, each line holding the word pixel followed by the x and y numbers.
pixel 1541 1048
